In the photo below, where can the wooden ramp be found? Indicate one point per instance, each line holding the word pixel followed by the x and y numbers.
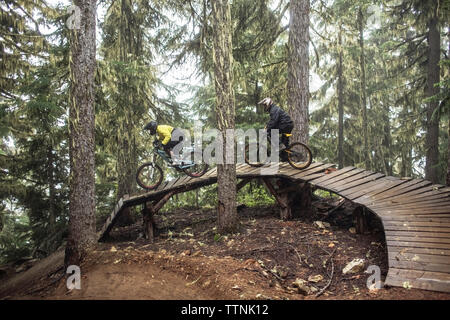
pixel 415 214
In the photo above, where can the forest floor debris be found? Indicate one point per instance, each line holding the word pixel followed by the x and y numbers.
pixel 266 259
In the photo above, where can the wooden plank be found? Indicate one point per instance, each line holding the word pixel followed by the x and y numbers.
pixel 414 238
pixel 313 176
pixel 417 200
pixel 241 166
pixel 347 181
pixel 401 189
pixel 310 170
pixel 413 244
pixel 252 171
pixel 391 184
pixel 160 187
pixel 338 175
pixel 212 172
pixel 418 279
pixel 418 193
pixel 287 170
pixel 419 229
pixel 428 251
pixel 415 274
pixel 416 223
pixel 410 233
pixel 428 284
pixel 391 202
pixel 360 197
pixel 431 210
pixel 424 204
pixel 305 173
pixel 342 186
pixel 419 257
pixel 424 266
pixel 185 180
pixel 369 182
pixel 171 184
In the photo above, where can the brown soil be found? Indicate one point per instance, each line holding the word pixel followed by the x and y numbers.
pixel 188 260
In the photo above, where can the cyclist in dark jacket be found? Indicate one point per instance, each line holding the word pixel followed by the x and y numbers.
pixel 279 119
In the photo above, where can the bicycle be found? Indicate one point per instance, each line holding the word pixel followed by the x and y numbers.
pixel 297 154
pixel 150 175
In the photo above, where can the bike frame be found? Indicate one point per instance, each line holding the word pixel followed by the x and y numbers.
pixel 163 155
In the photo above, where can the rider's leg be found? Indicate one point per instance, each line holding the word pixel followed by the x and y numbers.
pixel 284 138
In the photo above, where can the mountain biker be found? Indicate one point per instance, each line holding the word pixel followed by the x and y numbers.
pixel 167 135
pixel 280 120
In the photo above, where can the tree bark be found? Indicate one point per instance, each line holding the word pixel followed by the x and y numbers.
pixel 82 236
pixel 448 114
pixel 126 164
pixel 51 187
pixel 432 136
pixel 363 95
pixel 340 88
pixel 298 69
pixel 225 109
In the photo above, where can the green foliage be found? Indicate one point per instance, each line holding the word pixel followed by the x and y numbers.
pixel 255 195
pixel 15 236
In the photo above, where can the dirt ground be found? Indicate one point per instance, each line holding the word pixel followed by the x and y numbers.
pixel 189 260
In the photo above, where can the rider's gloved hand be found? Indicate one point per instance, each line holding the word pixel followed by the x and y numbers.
pixel 156 143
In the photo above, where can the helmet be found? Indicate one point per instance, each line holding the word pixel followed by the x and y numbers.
pixel 151 126
pixel 267 102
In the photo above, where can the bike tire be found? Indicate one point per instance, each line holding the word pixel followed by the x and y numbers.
pixel 256 164
pixel 292 161
pixel 141 173
pixel 199 173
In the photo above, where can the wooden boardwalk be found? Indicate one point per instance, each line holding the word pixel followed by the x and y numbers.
pixel 415 215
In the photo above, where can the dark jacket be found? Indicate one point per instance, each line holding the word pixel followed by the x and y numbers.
pixel 279 119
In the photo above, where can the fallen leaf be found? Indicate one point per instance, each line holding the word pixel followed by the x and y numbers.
pixel 316 278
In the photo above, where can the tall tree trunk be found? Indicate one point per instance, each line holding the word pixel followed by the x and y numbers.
pixel 432 136
pixel 298 69
pixel 387 138
pixel 82 235
pixel 363 93
pixel 51 187
pixel 340 88
pixel 225 109
pixel 448 114
pixel 126 163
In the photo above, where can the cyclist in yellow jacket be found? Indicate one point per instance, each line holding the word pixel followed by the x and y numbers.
pixel 167 135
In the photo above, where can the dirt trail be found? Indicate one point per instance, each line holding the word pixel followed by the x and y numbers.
pixel 134 282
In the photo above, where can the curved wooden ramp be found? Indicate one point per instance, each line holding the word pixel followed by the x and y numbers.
pixel 415 215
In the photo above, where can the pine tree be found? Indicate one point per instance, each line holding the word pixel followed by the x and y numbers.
pixel 82 231
pixel 298 69
pixel 225 108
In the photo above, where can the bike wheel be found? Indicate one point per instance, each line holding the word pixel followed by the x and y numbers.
pixel 196 169
pixel 252 155
pixel 299 155
pixel 149 176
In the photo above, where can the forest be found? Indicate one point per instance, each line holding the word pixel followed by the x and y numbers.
pixel 366 83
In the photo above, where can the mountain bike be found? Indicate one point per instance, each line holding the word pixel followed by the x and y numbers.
pixel 297 154
pixel 150 175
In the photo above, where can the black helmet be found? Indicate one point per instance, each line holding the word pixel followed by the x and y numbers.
pixel 151 126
